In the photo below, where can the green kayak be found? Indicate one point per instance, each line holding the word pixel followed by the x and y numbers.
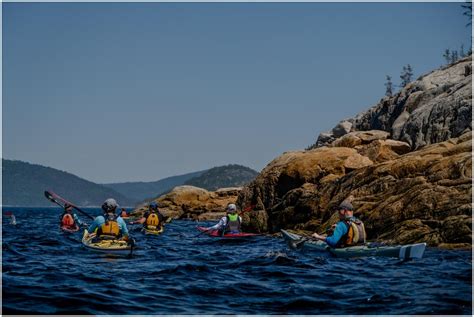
pixel 409 251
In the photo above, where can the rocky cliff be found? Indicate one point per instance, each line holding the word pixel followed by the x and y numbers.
pixel 431 109
pixel 190 202
pixel 405 164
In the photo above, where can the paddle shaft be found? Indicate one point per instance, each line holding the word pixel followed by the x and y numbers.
pixel 52 197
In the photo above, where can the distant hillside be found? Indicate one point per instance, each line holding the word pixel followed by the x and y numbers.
pixel 223 176
pixel 24 185
pixel 139 191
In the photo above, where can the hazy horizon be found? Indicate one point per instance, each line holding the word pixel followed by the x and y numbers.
pixel 121 92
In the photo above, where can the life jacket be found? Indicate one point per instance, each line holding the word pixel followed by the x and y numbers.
pixel 67 220
pixel 355 233
pixel 233 223
pixel 152 221
pixel 110 228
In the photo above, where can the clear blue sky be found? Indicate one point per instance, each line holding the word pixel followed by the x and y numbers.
pixel 136 92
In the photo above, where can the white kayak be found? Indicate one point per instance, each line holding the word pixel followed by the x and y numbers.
pixel 409 251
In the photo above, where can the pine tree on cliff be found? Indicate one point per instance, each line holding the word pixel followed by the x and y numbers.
pixel 468 11
pixel 447 56
pixel 406 76
pixel 461 51
pixel 389 87
pixel 454 56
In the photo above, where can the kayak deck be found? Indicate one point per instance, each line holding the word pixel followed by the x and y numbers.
pixel 113 246
pixel 410 251
pixel 215 233
pixel 152 231
pixel 69 229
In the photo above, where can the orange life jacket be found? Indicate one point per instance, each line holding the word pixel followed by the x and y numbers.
pixel 68 220
pixel 355 233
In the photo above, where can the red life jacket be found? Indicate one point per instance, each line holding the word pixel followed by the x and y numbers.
pixel 68 220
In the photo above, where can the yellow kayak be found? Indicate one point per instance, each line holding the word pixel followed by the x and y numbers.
pixel 109 246
pixel 152 230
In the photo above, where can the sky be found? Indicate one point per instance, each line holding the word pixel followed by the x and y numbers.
pixel 116 92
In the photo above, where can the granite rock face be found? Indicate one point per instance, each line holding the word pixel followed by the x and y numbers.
pixel 402 196
pixel 429 110
pixel 189 202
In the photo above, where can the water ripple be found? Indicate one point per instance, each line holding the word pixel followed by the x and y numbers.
pixel 179 272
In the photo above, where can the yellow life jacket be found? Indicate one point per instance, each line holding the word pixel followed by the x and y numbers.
pixel 110 228
pixel 355 233
pixel 152 221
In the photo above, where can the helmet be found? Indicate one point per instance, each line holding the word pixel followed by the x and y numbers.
pixel 109 205
pixel 153 206
pixel 345 206
pixel 231 208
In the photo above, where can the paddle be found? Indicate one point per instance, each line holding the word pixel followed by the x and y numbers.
pixel 54 198
pixel 298 245
pixel 132 246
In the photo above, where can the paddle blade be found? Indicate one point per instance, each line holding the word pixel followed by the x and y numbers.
pixel 297 245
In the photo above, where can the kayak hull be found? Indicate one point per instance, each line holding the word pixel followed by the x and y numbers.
pixel 216 234
pixel 111 247
pixel 152 231
pixel 410 251
pixel 69 229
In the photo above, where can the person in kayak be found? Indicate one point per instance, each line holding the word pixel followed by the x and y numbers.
pixel 109 225
pixel 151 219
pixel 13 220
pixel 349 231
pixel 230 223
pixel 69 219
pixel 123 213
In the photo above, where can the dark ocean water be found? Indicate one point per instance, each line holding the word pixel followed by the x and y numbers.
pixel 48 272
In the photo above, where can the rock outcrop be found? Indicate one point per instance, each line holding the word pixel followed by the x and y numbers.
pixel 402 197
pixel 189 202
pixel 432 109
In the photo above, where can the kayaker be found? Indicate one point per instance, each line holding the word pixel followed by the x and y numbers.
pixel 69 219
pixel 151 219
pixel 230 223
pixel 348 231
pixel 123 213
pixel 109 224
pixel 13 220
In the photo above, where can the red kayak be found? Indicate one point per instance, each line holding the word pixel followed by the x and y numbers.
pixel 70 229
pixel 217 234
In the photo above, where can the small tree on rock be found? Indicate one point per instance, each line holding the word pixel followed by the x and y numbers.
pixel 468 11
pixel 461 51
pixel 406 76
pixel 447 55
pixel 389 87
pixel 454 56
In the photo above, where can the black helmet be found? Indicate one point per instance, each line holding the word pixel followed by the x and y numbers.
pixel 153 206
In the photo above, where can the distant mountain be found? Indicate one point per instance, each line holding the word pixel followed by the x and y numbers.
pixel 223 176
pixel 23 184
pixel 140 191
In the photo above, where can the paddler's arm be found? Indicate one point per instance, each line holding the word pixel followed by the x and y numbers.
pixel 219 225
pixel 123 227
pixel 77 220
pixel 95 224
pixel 332 240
